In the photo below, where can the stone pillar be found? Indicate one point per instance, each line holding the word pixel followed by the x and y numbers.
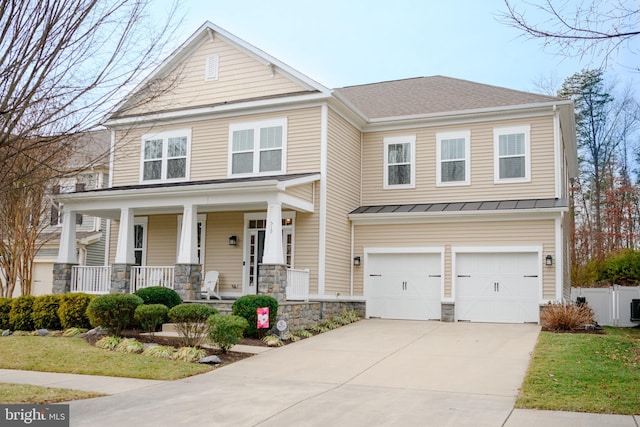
pixel 272 281
pixel 61 278
pixel 121 278
pixel 187 281
pixel 448 312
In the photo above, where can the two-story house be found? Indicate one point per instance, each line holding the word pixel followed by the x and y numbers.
pixel 426 198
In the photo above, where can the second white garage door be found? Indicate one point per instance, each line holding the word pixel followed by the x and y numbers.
pixel 404 285
pixel 498 287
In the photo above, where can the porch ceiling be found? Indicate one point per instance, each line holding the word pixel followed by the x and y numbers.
pixel 239 194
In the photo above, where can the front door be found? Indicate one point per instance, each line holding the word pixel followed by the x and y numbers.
pixel 254 250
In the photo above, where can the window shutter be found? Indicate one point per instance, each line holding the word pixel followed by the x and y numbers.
pixel 211 68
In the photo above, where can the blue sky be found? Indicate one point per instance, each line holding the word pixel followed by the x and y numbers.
pixel 348 42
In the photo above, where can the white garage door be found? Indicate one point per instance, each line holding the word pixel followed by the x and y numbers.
pixel 403 286
pixel 497 287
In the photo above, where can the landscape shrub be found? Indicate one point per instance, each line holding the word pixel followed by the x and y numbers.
pixel 191 322
pixel 566 317
pixel 246 306
pixel 5 308
pixel 150 316
pixel 20 313
pixel 113 311
pixel 159 295
pixel 226 330
pixel 622 268
pixel 45 312
pixel 129 345
pixel 188 354
pixel 73 310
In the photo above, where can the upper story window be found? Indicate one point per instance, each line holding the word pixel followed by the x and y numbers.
pixel 165 156
pixel 258 148
pixel 399 162
pixel 453 152
pixel 512 159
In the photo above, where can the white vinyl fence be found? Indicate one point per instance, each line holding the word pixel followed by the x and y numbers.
pixel 612 305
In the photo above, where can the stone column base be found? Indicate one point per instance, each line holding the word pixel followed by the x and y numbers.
pixel 448 312
pixel 61 278
pixel 121 278
pixel 187 281
pixel 272 281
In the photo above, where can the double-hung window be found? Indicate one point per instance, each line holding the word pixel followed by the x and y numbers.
pixel 165 156
pixel 257 148
pixel 453 152
pixel 399 162
pixel 512 157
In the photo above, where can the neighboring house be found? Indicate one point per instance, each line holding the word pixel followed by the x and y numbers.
pixel 89 169
pixel 428 198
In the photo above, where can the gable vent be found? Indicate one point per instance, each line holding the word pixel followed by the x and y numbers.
pixel 211 68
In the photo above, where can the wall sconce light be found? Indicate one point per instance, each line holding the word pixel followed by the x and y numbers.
pixel 548 260
pixel 356 261
pixel 233 240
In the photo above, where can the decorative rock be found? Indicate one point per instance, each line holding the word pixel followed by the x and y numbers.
pixel 97 331
pixel 6 333
pixel 42 332
pixel 213 360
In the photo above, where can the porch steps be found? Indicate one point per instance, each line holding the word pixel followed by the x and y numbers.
pixel 223 306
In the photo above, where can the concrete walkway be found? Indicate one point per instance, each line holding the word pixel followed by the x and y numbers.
pixel 371 373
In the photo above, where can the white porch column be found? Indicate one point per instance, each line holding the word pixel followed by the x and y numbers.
pixel 124 251
pixel 67 250
pixel 188 249
pixel 273 235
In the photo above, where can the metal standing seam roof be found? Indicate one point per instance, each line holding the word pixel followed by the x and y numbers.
pixel 432 95
pixel 462 206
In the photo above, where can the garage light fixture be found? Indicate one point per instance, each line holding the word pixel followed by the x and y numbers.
pixel 548 260
pixel 356 261
pixel 233 240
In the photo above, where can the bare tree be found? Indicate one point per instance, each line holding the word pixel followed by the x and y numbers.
pixel 596 28
pixel 63 63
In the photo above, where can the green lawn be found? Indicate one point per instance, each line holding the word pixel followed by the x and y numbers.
pixel 76 356
pixel 585 373
pixel 22 393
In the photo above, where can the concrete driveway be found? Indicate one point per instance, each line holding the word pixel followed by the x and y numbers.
pixel 373 372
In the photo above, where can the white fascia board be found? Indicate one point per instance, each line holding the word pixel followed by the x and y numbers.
pixel 233 108
pixel 457 216
pixel 348 111
pixel 299 181
pixel 462 116
pixel 295 203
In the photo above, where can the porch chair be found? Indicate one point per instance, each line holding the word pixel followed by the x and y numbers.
pixel 210 285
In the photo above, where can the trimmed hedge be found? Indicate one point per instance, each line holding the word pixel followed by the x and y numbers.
pixel 159 295
pixel 191 321
pixel 113 311
pixel 45 312
pixel 73 310
pixel 246 306
pixel 5 308
pixel 226 330
pixel 150 316
pixel 20 314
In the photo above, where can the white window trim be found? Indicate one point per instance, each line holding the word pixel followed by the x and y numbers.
pixel 466 134
pixel 526 130
pixel 165 148
pixel 202 219
pixel 211 67
pixel 411 140
pixel 256 126
pixel 144 222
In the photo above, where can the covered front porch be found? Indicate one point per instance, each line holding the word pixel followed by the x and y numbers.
pixel 172 234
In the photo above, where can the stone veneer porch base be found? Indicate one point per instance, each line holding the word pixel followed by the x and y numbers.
pixel 298 314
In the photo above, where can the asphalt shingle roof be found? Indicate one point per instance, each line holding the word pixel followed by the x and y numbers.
pixel 432 95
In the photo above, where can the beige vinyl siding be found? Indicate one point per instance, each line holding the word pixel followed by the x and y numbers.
pixel 303 192
pixel 306 235
pixel 490 233
pixel 239 77
pixel 219 256
pixel 162 240
pixel 343 196
pixel 210 145
pixel 482 185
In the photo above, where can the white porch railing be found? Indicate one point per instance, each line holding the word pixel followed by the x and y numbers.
pixel 91 280
pixel 143 277
pixel 297 284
